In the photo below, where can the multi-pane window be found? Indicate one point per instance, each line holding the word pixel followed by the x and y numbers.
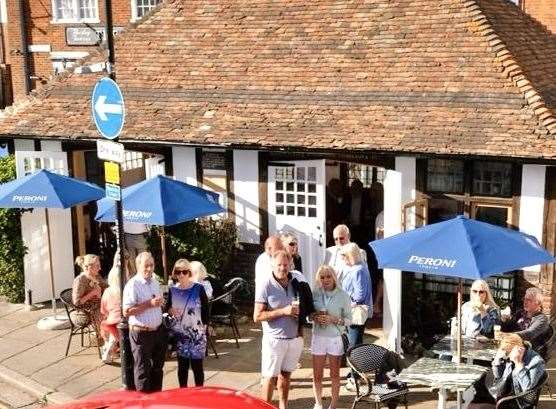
pixel 445 176
pixel 133 160
pixel 142 7
pixel 296 191
pixel 75 10
pixel 364 173
pixel 492 179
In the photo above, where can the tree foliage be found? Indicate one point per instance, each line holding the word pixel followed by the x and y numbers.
pixel 12 249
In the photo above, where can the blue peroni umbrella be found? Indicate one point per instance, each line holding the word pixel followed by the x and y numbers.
pixel 45 189
pixel 161 201
pixel 462 248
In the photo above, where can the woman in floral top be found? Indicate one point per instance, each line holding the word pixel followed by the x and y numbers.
pixel 188 304
pixel 87 291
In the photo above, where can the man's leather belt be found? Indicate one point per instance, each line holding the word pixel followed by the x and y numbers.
pixel 142 328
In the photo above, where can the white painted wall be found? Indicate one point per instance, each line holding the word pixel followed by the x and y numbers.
pixel 399 189
pixel 184 164
pixel 531 206
pixel 246 193
pixel 3 12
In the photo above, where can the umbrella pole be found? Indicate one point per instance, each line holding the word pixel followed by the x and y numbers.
pixel 52 286
pixel 460 299
pixel 163 247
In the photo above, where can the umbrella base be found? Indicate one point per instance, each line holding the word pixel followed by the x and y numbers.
pixel 53 322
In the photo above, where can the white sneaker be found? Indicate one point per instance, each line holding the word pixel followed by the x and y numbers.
pixel 350 385
pixel 317 406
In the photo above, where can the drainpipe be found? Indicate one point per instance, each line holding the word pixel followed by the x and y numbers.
pixel 24 46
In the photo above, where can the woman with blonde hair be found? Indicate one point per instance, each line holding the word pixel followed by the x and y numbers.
pixel 200 275
pixel 333 313
pixel 188 304
pixel 356 281
pixel 517 368
pixel 87 290
pixel 480 314
pixel 110 309
pixel 291 245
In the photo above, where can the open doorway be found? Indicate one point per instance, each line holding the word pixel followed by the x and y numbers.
pixel 355 197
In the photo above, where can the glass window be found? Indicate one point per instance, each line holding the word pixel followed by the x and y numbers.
pixel 444 176
pixel 142 7
pixel 492 179
pixel 75 10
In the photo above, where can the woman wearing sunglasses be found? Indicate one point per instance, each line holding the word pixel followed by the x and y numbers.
pixel 188 304
pixel 480 314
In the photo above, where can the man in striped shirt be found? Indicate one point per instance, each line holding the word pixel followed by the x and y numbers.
pixel 142 302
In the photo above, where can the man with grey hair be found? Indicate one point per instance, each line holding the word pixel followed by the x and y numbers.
pixel 529 323
pixel 332 257
pixel 142 301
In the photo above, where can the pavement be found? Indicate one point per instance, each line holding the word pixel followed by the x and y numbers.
pixel 35 372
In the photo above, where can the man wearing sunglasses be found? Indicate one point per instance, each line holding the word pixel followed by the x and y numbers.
pixel 333 257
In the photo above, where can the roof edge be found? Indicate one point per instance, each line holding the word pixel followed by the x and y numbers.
pixel 510 67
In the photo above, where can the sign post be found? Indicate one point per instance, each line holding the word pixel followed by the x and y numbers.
pixel 108 111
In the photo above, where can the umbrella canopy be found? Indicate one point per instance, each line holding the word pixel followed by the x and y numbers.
pixel 46 189
pixel 461 248
pixel 161 201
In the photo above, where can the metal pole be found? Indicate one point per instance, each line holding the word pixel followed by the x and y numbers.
pixel 123 327
pixel 460 299
pixel 52 286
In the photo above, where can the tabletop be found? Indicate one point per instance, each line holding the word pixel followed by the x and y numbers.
pixel 437 373
pixel 482 349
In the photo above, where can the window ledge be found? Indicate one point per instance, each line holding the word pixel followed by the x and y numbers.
pixel 76 21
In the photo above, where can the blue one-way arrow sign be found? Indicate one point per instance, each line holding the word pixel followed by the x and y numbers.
pixel 108 108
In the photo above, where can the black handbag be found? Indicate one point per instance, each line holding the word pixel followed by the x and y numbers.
pixel 502 386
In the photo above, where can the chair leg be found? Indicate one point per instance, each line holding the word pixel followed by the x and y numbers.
pixel 354 404
pixel 235 331
pixel 69 341
pixel 82 337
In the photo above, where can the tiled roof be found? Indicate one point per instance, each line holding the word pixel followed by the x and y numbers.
pixel 440 76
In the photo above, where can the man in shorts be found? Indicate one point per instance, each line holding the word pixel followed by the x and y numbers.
pixel 276 306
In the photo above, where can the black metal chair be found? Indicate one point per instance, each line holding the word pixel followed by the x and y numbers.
pixel 366 360
pixel 529 398
pixel 223 310
pixel 77 328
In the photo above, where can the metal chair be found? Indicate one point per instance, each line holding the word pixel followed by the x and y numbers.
pixel 529 398
pixel 223 311
pixel 366 360
pixel 76 328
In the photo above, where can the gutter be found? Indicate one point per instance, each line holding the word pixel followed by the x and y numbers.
pixel 24 47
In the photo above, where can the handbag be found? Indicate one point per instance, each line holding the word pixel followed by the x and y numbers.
pixel 502 386
pixel 359 314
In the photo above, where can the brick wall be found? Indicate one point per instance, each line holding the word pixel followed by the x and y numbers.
pixel 542 10
pixel 41 31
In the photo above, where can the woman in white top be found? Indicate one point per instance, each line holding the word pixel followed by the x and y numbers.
pixel 333 311
pixel 200 275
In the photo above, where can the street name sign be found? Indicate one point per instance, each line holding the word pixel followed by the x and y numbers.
pixel 107 103
pixel 113 191
pixel 110 151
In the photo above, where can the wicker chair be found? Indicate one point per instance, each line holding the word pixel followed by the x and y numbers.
pixel 366 360
pixel 76 328
pixel 530 397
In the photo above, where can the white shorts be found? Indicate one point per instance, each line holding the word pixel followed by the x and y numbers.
pixel 327 345
pixel 280 355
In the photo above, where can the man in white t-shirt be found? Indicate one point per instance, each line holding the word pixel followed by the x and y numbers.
pixel 332 257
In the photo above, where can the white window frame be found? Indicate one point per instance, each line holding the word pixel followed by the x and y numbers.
pixel 76 6
pixel 134 10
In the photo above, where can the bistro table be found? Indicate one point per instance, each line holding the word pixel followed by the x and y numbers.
pixel 472 349
pixel 444 376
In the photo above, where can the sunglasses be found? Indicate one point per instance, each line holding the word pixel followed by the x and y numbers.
pixel 339 238
pixel 478 291
pixel 293 243
pixel 185 272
